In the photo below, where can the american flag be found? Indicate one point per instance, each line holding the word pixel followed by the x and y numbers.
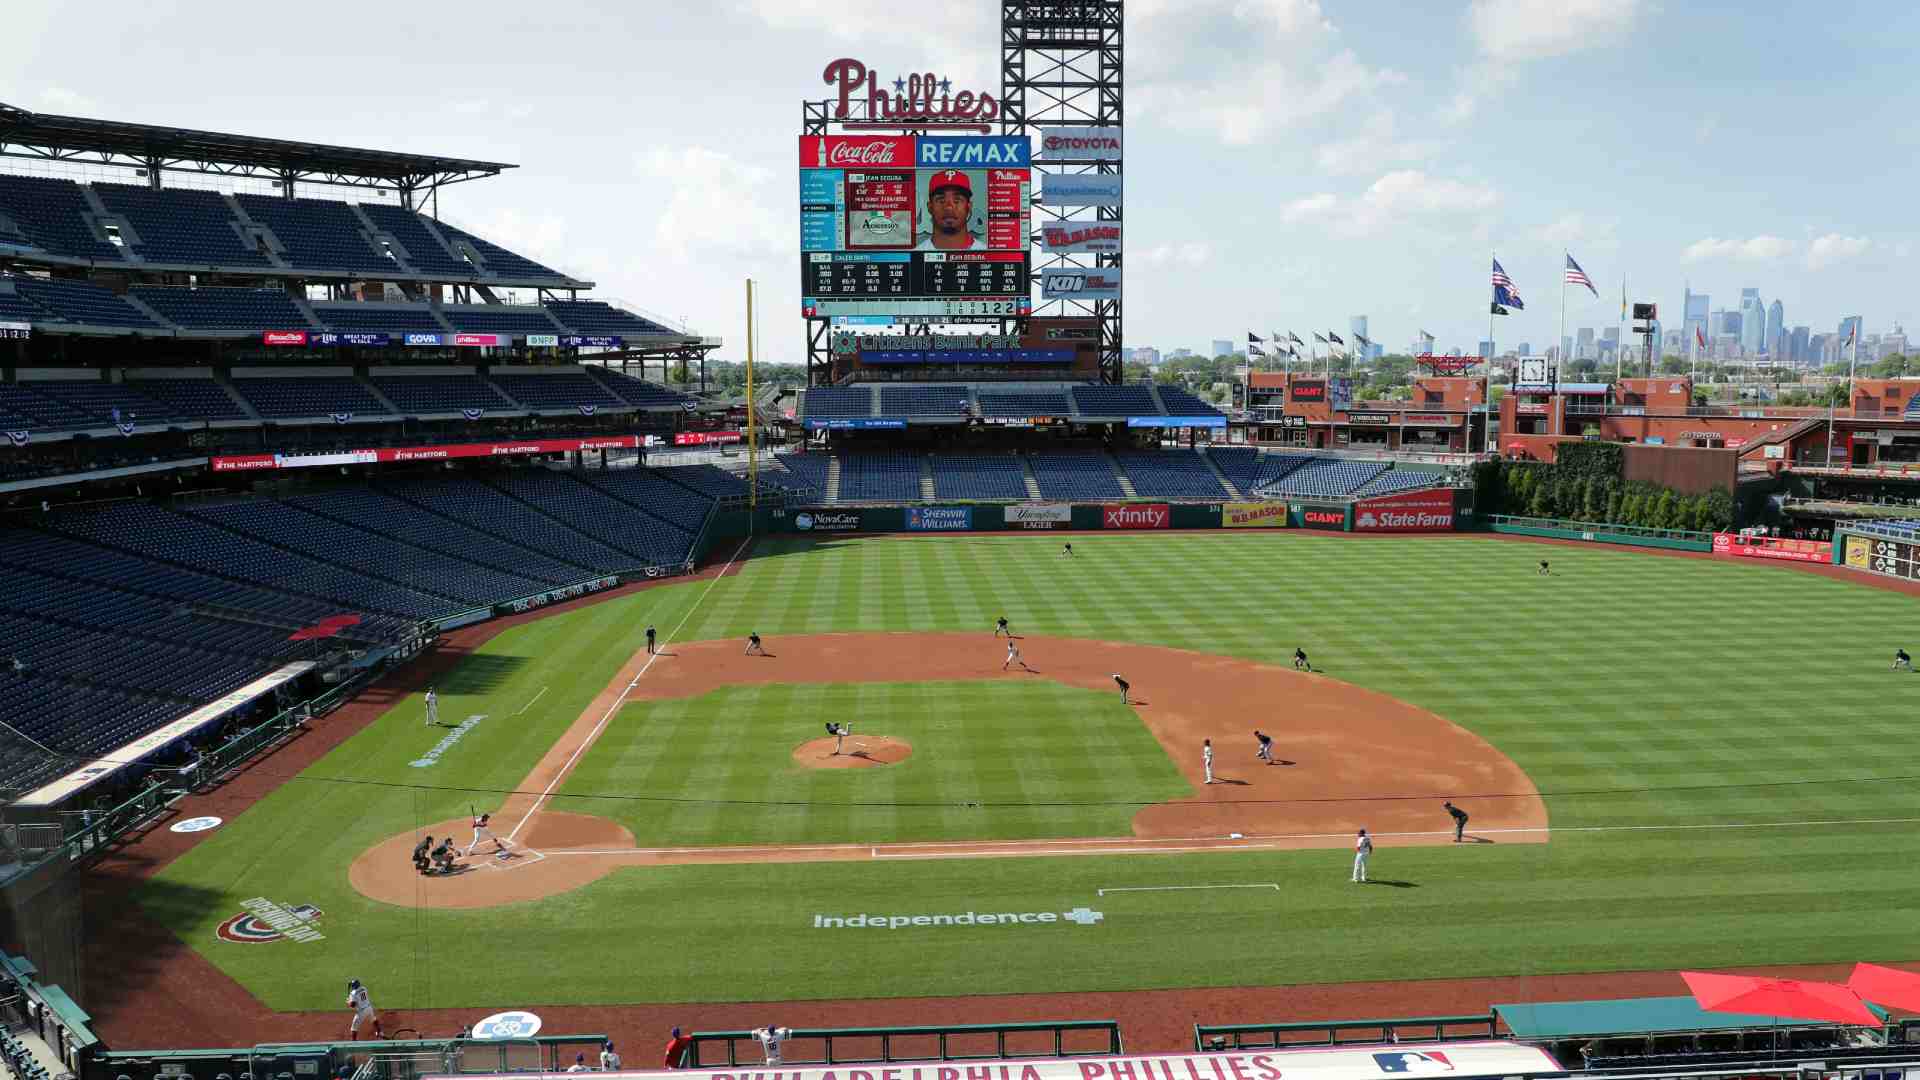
pixel 1577 276
pixel 1504 294
pixel 1699 337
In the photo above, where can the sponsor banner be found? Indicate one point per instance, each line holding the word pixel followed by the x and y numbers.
pixel 539 341
pixel 553 596
pixel 1079 283
pixel 973 152
pixel 1176 421
pixel 1266 515
pixel 1135 516
pixel 331 338
pixel 1370 419
pixel 1430 420
pixel 154 740
pixel 482 341
pixel 906 357
pixel 939 518
pixel 856 151
pixel 508 1025
pixel 253 462
pixel 592 341
pixel 1080 237
pixel 1039 515
pixel 1859 552
pixel 1293 422
pixel 1081 189
pixel 1080 916
pixel 1314 390
pixel 1709 436
pixel 195 824
pixel 1736 442
pixel 262 921
pixel 865 424
pixel 705 438
pixel 284 337
pixel 1412 511
pixel 1732 545
pixel 423 339
pixel 1465 1060
pixel 1324 517
pixel 1080 144
pixel 818 520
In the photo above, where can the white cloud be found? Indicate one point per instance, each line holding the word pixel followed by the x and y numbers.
pixel 956 40
pixel 717 205
pixel 1761 248
pixel 1835 247
pixel 1312 206
pixel 1375 146
pixel 1286 94
pixel 483 107
pixel 1577 232
pixel 1511 32
pixel 64 102
pixel 1192 253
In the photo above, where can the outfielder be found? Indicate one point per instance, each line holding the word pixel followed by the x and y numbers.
pixel 1901 661
pixel 1206 758
pixel 1067 549
pixel 1362 847
pixel 1300 661
pixel 1265 753
pixel 1544 571
pixel 433 708
pixel 361 1003
pixel 481 831
pixel 1013 657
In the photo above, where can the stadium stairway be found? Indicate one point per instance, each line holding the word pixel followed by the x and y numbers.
pixel 927 491
pixel 1120 474
pixel 1026 475
pixel 144 309
pixel 385 402
pixel 237 517
pixel 832 494
pixel 1232 488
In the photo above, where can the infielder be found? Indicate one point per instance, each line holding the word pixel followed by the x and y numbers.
pixel 1124 686
pixel 1300 661
pixel 433 708
pixel 1013 657
pixel 1362 847
pixel 1459 820
pixel 770 1038
pixel 1000 627
pixel 1265 753
pixel 1901 661
pixel 839 732
pixel 1206 758
pixel 754 646
pixel 481 831
pixel 361 1003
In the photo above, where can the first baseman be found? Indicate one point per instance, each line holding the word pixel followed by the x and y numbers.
pixel 1206 758
pixel 433 708
pixel 361 1003
pixel 1362 847
pixel 482 832
pixel 1013 657
pixel 1459 820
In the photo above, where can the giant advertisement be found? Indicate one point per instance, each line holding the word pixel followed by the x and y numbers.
pixel 1411 511
pixel 1135 516
pixel 891 219
pixel 1080 283
pixel 1266 515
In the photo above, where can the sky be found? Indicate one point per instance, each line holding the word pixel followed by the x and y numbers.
pixel 1290 163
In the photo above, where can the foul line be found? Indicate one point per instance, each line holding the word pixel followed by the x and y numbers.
pixel 628 689
pixel 536 697
pixel 1184 888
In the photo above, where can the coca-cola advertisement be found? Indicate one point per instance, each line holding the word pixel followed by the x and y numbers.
pixel 856 151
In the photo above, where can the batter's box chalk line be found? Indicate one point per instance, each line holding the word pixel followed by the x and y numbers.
pixel 521 857
pixel 1185 888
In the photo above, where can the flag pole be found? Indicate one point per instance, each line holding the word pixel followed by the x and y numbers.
pixel 1486 366
pixel 1565 360
pixel 1620 346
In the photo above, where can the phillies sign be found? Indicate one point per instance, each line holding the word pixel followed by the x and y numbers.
pixel 917 99
pixel 1135 516
pixel 1413 511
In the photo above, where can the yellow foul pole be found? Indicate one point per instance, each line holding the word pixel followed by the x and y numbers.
pixel 753 436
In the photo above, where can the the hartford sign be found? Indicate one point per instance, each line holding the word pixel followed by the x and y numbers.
pixel 1413 511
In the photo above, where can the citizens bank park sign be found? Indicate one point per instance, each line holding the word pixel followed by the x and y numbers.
pixel 1460 1059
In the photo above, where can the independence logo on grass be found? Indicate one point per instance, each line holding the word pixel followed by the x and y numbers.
pixel 446 744
pixel 1080 915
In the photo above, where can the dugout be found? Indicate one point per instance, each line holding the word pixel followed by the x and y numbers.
pixel 1668 1032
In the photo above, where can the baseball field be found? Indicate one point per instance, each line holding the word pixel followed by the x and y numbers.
pixel 1669 762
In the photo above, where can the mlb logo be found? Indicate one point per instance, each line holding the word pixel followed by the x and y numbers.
pixel 1413 1063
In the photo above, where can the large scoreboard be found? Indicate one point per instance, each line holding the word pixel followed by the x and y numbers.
pixel 915 227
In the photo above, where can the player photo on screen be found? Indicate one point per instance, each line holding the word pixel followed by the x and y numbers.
pixel 953 210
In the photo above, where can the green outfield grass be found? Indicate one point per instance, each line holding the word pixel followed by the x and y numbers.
pixel 1657 703
pixel 994 761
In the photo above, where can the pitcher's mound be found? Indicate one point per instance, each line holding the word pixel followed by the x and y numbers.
pixel 856 752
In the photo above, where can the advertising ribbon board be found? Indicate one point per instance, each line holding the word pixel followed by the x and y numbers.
pixel 1080 144
pixel 1078 283
pixel 1081 189
pixel 1080 237
pixel 939 518
pixel 1324 517
pixel 256 462
pixel 1411 511
pixel 1135 516
pixel 1039 515
pixel 705 438
pixel 823 520
pixel 1267 515
pixel 1730 545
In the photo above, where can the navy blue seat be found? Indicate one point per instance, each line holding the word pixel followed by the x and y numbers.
pixel 560 390
pixel 837 402
pixel 312 396
pixel 1171 474
pixel 369 318
pixel 185 226
pixel 658 495
pixel 500 320
pixel 804 471
pixel 377 511
pixel 879 477
pixel 1115 401
pixel 422 394
pixel 247 311
pixel 651 541
pixel 923 401
pixel 498 260
pixel 710 480
pixel 424 252
pixel 1329 478
pixel 1023 403
pixel 97 400
pixel 599 317
pixel 489 510
pixel 979 476
pixel 317 234
pixel 54 215
pixel 1075 475
pixel 83 302
pixel 192 398
pixel 638 392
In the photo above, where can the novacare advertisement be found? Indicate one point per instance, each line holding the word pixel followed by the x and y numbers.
pixel 1267 515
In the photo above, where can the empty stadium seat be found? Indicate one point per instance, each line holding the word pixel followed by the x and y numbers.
pixel 424 252
pixel 425 394
pixel 979 476
pixel 380 318
pixel 879 477
pixel 82 302
pixel 499 319
pixel 1399 480
pixel 923 401
pixel 1023 403
pixel 1075 475
pixel 710 480
pixel 54 214
pixel 1171 474
pixel 317 234
pixel 489 510
pixel 1329 478
pixel 806 470
pixel 1181 403
pixel 248 311
pixel 1115 401
pixel 658 495
pixel 311 396
pixel 498 260
pixel 638 392
pixel 557 391
pixel 649 540
pixel 837 402
pixel 97 400
pixel 598 317
pixel 192 398
pixel 185 226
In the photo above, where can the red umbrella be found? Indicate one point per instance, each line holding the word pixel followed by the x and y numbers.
pixel 1790 999
pixel 1886 986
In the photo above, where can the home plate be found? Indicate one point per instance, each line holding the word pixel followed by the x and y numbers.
pixel 1236 836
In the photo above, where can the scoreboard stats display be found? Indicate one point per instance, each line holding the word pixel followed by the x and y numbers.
pixel 925 226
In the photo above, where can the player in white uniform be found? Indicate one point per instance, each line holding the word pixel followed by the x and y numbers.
pixel 1206 758
pixel 1013 657
pixel 1362 847
pixel 609 1061
pixel 433 708
pixel 361 1003
pixel 770 1038
pixel 482 832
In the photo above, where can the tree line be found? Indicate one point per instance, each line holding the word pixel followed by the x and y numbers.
pixel 1585 484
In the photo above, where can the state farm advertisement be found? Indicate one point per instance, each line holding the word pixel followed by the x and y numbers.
pixel 1412 511
pixel 1733 546
pixel 1135 516
pixel 255 462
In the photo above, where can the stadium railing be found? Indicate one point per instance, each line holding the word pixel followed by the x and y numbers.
pixel 1333 1033
pixel 947 1042
pixel 393 1059
pixel 1601 532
